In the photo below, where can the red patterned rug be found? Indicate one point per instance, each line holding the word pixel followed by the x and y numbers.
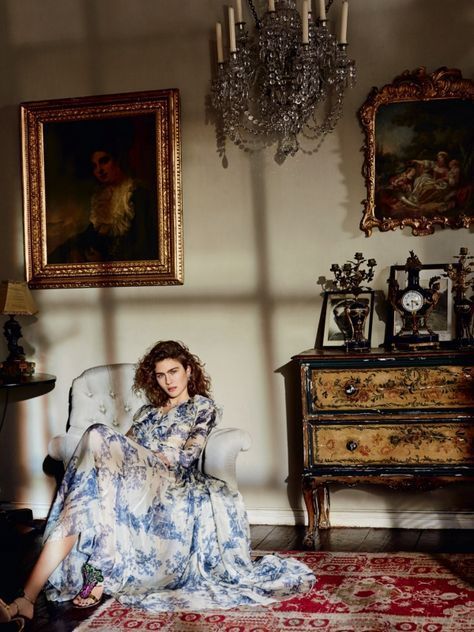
pixel 354 592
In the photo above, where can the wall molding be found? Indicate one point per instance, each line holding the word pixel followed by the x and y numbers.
pixel 40 510
pixel 428 519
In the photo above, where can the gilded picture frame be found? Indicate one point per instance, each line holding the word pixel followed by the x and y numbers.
pixel 102 190
pixel 419 152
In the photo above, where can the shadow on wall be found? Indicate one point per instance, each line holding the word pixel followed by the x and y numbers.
pixel 11 261
pixel 398 503
pixel 16 472
pixel 14 442
pixel 294 429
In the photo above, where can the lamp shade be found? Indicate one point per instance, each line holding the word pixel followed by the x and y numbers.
pixel 16 298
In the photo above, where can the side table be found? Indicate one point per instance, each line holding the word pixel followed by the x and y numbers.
pixel 394 418
pixel 22 388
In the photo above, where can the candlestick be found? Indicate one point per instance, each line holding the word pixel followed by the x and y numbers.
pixel 232 45
pixel 305 21
pixel 238 13
pixel 271 5
pixel 220 49
pixel 322 9
pixel 343 32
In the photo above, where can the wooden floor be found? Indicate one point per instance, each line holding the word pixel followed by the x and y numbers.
pixel 18 552
pixel 365 539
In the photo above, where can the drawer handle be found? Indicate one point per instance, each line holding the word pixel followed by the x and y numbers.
pixel 352 445
pixel 350 389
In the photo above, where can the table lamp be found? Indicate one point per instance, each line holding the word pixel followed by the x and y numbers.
pixel 15 300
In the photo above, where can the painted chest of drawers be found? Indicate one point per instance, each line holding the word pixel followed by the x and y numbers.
pixel 391 418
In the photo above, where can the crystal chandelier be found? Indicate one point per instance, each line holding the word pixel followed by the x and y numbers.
pixel 286 84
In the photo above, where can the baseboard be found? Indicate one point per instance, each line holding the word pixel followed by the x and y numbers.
pixel 40 510
pixel 377 519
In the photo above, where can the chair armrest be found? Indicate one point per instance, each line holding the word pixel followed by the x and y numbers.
pixel 220 454
pixel 218 459
pixel 61 447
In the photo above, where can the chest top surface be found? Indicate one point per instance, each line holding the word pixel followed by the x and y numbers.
pixel 382 357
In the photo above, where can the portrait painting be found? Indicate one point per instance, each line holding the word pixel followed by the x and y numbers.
pixel 419 164
pixel 102 190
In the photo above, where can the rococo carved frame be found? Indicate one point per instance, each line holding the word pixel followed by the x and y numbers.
pixel 410 124
pixel 66 246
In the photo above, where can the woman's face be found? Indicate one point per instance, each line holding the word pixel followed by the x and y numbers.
pixel 172 377
pixel 105 168
pixel 442 158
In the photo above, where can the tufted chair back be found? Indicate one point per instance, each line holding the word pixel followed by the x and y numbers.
pixel 103 394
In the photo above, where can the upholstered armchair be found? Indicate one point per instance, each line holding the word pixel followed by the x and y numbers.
pixel 103 394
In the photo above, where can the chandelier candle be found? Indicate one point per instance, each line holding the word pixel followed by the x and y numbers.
pixel 220 49
pixel 322 9
pixel 305 22
pixel 343 32
pixel 232 45
pixel 238 10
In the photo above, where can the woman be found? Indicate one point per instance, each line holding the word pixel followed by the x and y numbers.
pixel 137 518
pixel 122 221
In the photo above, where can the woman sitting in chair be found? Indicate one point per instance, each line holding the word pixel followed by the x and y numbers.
pixel 135 517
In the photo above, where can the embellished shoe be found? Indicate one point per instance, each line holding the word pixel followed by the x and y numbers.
pixel 13 612
pixel 92 588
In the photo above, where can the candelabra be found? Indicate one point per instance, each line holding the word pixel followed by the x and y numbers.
pixel 349 276
pixel 350 314
pixel 462 280
pixel 284 84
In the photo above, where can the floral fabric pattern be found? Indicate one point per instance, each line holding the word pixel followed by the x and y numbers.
pixel 165 536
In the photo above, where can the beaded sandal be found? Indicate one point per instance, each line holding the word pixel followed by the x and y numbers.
pixel 93 578
pixel 6 614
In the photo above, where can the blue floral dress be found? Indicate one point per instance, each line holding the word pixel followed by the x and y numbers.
pixel 166 536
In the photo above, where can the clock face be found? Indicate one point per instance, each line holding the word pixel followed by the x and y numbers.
pixel 412 301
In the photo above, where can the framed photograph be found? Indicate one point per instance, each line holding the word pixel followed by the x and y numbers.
pixel 102 191
pixel 419 152
pixel 441 320
pixel 333 322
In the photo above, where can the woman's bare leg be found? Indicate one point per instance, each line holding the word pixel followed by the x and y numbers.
pixel 52 554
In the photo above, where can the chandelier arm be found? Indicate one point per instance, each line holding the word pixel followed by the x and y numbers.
pixel 326 124
pixel 253 11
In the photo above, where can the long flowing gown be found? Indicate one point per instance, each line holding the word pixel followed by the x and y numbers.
pixel 165 535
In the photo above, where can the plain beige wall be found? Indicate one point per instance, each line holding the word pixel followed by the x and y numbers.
pixel 257 234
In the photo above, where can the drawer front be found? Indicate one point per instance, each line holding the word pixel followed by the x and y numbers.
pixel 415 444
pixel 390 388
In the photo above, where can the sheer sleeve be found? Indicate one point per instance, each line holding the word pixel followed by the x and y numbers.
pixel 184 451
pixel 138 419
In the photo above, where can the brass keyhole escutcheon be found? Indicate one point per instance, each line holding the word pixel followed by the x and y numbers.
pixel 350 389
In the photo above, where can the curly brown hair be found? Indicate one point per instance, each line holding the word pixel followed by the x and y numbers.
pixel 145 380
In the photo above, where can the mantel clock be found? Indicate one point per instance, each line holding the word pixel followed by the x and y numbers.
pixel 414 304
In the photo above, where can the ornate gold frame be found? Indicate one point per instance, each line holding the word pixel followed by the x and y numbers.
pixel 411 86
pixel 160 112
